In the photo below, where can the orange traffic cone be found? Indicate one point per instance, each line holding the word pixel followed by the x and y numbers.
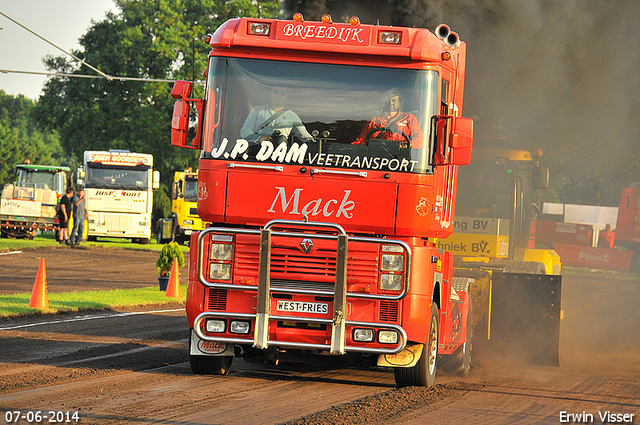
pixel 39 297
pixel 173 288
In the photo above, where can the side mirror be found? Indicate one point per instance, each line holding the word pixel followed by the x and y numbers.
pixel 181 110
pixel 80 176
pixel 461 141
pixel 174 191
pixel 540 177
pixel 156 179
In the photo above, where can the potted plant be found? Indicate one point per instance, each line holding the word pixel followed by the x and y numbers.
pixel 165 262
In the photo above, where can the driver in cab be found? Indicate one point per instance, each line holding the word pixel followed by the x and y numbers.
pixel 393 124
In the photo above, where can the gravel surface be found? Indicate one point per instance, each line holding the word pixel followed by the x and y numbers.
pixel 117 367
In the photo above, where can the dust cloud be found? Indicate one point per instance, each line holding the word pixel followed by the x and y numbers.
pixel 562 76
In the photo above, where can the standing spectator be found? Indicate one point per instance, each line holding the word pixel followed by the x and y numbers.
pixel 64 214
pixel 607 237
pixel 79 215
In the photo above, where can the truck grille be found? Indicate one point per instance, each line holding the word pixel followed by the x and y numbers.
pixel 217 299
pixel 388 311
pixel 315 270
pixel 117 221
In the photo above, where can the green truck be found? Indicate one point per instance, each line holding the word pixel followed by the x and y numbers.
pixel 30 202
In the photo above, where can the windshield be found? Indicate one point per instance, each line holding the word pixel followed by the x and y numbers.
pixel 117 178
pixel 323 115
pixel 42 180
pixel 190 189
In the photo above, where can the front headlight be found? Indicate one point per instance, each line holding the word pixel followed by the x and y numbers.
pixel 388 337
pixel 239 327
pixel 392 262
pixel 390 282
pixel 363 335
pixel 221 251
pixel 215 325
pixel 220 271
pixel 188 222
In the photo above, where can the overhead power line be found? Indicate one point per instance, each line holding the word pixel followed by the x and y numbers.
pixel 110 78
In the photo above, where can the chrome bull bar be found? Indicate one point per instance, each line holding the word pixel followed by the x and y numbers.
pixel 339 294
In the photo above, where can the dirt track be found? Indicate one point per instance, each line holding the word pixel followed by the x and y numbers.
pixel 80 269
pixel 133 368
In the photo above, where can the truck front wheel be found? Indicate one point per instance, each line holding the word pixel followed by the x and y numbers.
pixel 424 372
pixel 459 363
pixel 210 365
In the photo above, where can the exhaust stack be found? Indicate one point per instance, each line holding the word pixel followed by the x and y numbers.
pixel 444 33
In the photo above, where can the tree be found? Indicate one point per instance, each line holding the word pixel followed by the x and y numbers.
pixel 21 139
pixel 146 40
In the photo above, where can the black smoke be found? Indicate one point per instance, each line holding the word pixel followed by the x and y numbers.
pixel 560 75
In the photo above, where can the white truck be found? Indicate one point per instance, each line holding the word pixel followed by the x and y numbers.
pixel 119 192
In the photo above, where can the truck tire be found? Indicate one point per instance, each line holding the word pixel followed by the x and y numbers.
pixel 177 235
pixel 423 374
pixel 209 365
pixel 459 363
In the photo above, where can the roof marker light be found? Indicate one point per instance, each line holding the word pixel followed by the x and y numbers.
pixel 298 17
pixel 326 19
pixel 259 28
pixel 389 37
pixel 355 21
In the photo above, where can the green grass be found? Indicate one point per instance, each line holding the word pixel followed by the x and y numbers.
pixel 18 304
pixel 48 240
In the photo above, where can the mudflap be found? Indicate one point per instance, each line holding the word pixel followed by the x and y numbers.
pixel 524 316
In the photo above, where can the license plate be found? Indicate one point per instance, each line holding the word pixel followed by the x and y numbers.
pixel 303 307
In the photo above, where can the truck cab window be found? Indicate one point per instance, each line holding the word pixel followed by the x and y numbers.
pixel 318 117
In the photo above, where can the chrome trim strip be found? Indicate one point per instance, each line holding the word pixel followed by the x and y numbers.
pixel 260 167
pixel 342 173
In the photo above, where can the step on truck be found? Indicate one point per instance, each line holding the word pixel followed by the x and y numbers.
pixel 29 204
pixel 118 187
pixel 323 216
pixel 184 218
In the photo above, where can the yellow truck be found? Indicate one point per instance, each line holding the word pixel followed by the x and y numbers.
pixel 516 290
pixel 184 218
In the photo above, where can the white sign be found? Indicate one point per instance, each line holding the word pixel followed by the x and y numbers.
pixel 20 207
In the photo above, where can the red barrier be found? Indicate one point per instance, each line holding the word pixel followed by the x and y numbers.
pixel 596 258
pixel 564 233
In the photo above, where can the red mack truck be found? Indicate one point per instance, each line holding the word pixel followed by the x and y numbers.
pixel 328 166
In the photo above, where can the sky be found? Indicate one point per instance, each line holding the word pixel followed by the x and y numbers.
pixel 62 22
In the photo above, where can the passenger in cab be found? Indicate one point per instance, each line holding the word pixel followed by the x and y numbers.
pixel 393 124
pixel 274 122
